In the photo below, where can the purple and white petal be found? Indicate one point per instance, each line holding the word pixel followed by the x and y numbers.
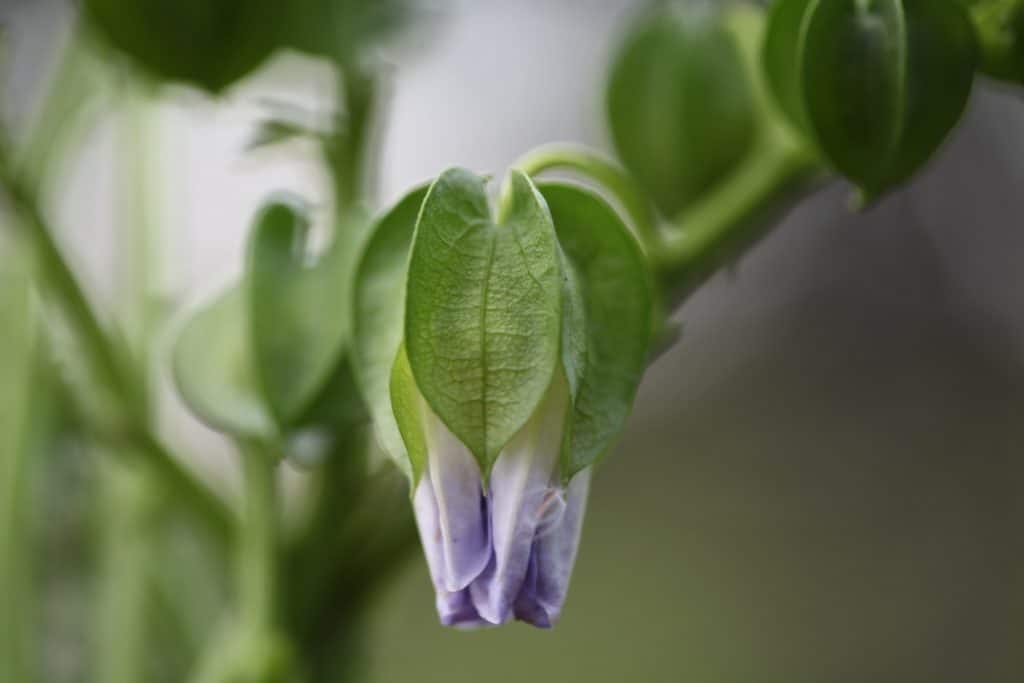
pixel 462 528
pixel 519 498
pixel 553 555
pixel 454 608
pixel 457 610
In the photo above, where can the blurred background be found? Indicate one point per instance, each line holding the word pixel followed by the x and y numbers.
pixel 822 481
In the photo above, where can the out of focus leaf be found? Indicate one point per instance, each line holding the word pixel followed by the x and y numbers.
pixel 378 312
pixel 679 104
pixel 340 29
pixel 277 131
pixel 269 355
pixel 296 342
pixel 206 43
pixel 214 372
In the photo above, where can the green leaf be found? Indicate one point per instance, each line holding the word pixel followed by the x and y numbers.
pixel 614 282
pixel 854 84
pixel 207 44
pixel 279 131
pixel 781 57
pixel 680 104
pixel 483 308
pixel 408 406
pixel 213 369
pixel 339 29
pixel 269 355
pixel 378 311
pixel 299 312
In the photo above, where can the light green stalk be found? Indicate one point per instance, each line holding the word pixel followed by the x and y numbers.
pixel 17 360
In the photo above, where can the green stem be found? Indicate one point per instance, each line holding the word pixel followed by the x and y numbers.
pixel 62 286
pixel 257 542
pixel 606 174
pixel 129 501
pixel 347 150
pixel 127 541
pixel 730 217
pixel 248 647
pixel 19 400
pixel 60 281
pixel 714 230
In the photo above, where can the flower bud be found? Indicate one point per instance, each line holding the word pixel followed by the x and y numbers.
pixel 876 85
pixel 508 549
pixel 680 105
pixel 522 344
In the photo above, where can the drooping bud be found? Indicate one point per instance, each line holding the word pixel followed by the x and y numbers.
pixel 515 365
pixel 876 85
pixel 680 104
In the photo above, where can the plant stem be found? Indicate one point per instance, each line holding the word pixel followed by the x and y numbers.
pixel 347 150
pixel 61 285
pixel 18 401
pixel 128 500
pixel 729 218
pixel 606 174
pixel 257 542
pixel 734 216
pixel 248 647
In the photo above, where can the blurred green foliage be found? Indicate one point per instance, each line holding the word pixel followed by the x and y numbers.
pixel 679 103
pixel 212 44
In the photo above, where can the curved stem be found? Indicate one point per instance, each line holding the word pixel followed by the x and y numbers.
pixel 61 284
pixel 735 215
pixel 606 174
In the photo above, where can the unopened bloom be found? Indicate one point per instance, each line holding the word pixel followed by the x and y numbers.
pixel 504 549
pixel 521 349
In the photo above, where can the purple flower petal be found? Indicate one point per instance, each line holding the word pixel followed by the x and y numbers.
pixel 457 610
pixel 451 510
pixel 551 560
pixel 520 497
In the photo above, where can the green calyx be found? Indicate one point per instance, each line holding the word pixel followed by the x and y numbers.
pixel 483 308
pixel 493 309
pixel 679 104
pixel 876 85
